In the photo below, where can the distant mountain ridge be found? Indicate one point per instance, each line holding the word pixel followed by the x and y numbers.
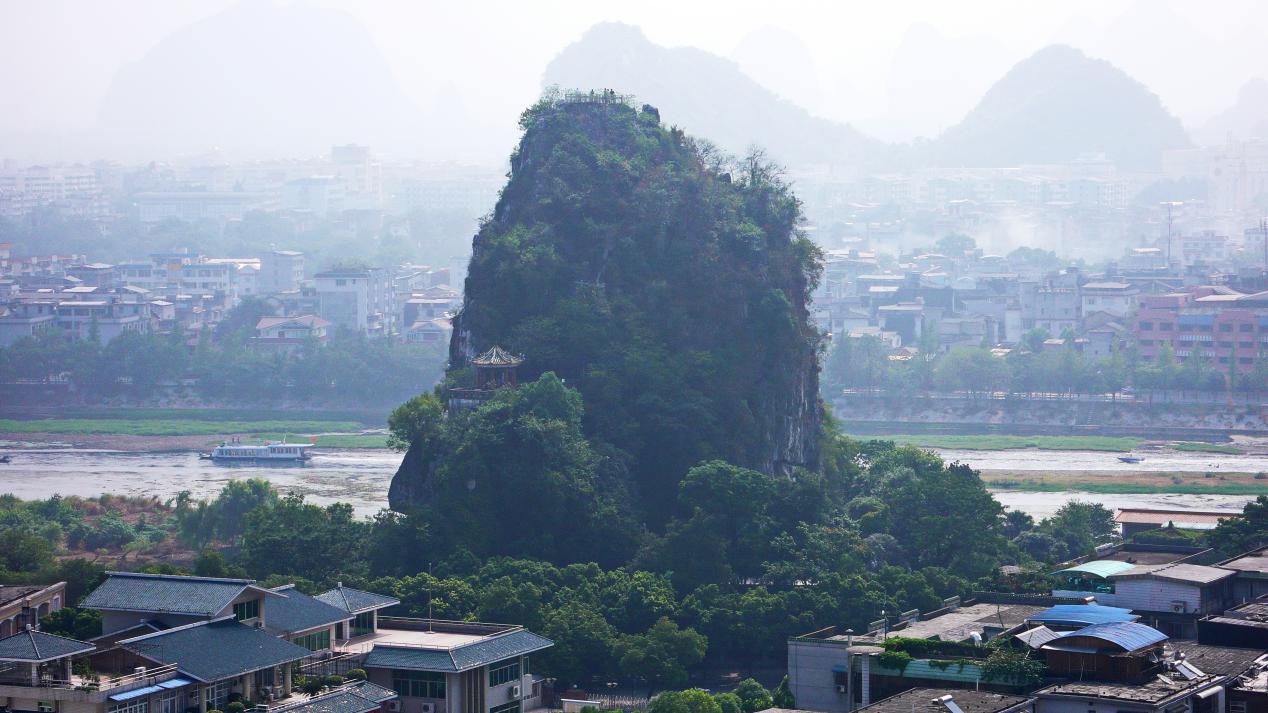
pixel 1247 118
pixel 707 95
pixel 1057 104
pixel 1052 106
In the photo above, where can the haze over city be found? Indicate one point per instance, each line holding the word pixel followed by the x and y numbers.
pixel 619 356
pixel 896 71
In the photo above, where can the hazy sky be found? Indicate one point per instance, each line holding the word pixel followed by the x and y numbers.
pixel 896 69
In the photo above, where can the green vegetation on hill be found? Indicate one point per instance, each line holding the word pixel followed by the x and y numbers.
pixel 666 284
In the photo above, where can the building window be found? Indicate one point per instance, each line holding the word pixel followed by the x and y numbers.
pixel 363 623
pixel 418 684
pixel 1245 327
pixel 316 641
pixel 246 610
pixel 1226 327
pixel 1165 326
pixel 132 706
pixel 505 672
pixel 1146 326
pixel 47 707
pixel 1237 707
pixel 168 704
pixel 506 708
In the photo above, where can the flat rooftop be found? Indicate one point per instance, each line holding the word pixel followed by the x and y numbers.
pixel 1253 562
pixel 959 624
pixel 1146 556
pixel 1153 691
pixel 424 634
pixel 925 700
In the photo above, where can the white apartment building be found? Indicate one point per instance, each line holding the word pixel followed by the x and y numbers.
pixel 357 298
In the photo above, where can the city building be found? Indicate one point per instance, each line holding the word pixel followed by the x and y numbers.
pixel 360 299
pixel 23 605
pixel 280 271
pixel 289 333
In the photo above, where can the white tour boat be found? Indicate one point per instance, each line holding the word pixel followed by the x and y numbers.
pixel 271 452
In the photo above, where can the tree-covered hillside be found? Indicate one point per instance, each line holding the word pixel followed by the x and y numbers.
pixel 663 282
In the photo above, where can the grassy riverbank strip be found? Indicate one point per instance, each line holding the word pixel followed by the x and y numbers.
pixel 1195 447
pixel 1129 483
pixel 995 442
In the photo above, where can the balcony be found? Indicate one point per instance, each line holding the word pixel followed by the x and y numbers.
pixel 83 689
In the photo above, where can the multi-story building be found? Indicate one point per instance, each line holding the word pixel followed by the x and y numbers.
pixel 23 605
pixel 280 271
pixel 26 318
pixel 357 298
pixel 1224 327
pixel 195 206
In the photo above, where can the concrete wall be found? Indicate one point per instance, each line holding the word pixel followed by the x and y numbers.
pixel 810 675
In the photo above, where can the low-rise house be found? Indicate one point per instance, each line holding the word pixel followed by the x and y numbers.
pixel 456 667
pixel 362 607
pixel 126 599
pixel 429 331
pixel 305 620
pixel 1137 520
pixel 1251 581
pixel 23 605
pixel 26 318
pixel 289 333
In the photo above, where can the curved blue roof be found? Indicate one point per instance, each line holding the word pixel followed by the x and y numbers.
pixel 1129 635
pixel 1083 614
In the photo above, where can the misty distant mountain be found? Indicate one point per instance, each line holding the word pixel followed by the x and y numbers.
pixel 1057 104
pixel 707 95
pixel 1247 118
pixel 263 78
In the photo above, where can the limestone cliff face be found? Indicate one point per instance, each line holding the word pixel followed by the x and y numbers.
pixel 664 282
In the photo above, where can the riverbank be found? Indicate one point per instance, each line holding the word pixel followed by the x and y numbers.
pixel 1121 483
pixel 132 443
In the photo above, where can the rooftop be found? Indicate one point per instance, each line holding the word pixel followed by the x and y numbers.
pixel 930 700
pixel 426 645
pixel 959 624
pixel 359 697
pixel 1181 518
pixel 1153 691
pixel 36 646
pixel 1098 568
pixel 497 356
pixel 216 650
pixel 355 601
pixel 10 593
pixel 172 594
pixel 1183 573
pixel 1083 614
pixel 1218 660
pixel 299 612
pixel 1249 562
pixel 1126 635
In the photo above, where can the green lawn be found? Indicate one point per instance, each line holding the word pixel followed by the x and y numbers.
pixel 1001 442
pixel 337 440
pixel 1130 488
pixel 1207 448
pixel 171 427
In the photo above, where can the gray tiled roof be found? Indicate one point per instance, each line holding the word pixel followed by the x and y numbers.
pixel 198 596
pixel 39 646
pixel 215 650
pixel 299 612
pixel 341 701
pixel 373 691
pixel 356 601
pixel 461 658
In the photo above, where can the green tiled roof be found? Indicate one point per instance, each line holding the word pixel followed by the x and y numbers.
pixel 356 601
pixel 1098 568
pixel 38 646
pixel 299 612
pixel 215 650
pixel 196 596
pixel 460 658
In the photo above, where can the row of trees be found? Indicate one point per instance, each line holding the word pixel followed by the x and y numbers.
pixel 863 363
pixel 222 367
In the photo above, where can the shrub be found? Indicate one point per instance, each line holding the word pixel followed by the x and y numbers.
pixel 356 674
pixel 311 685
pixel 897 660
pixel 235 707
pixel 333 681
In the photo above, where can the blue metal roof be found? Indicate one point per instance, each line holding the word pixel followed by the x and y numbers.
pixel 1129 635
pixel 1083 614
pixel 197 596
pixel 136 693
pixel 461 658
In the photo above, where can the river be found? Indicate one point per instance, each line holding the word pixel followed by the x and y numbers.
pixel 361 477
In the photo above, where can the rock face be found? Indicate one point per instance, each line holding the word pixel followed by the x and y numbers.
pixel 666 284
